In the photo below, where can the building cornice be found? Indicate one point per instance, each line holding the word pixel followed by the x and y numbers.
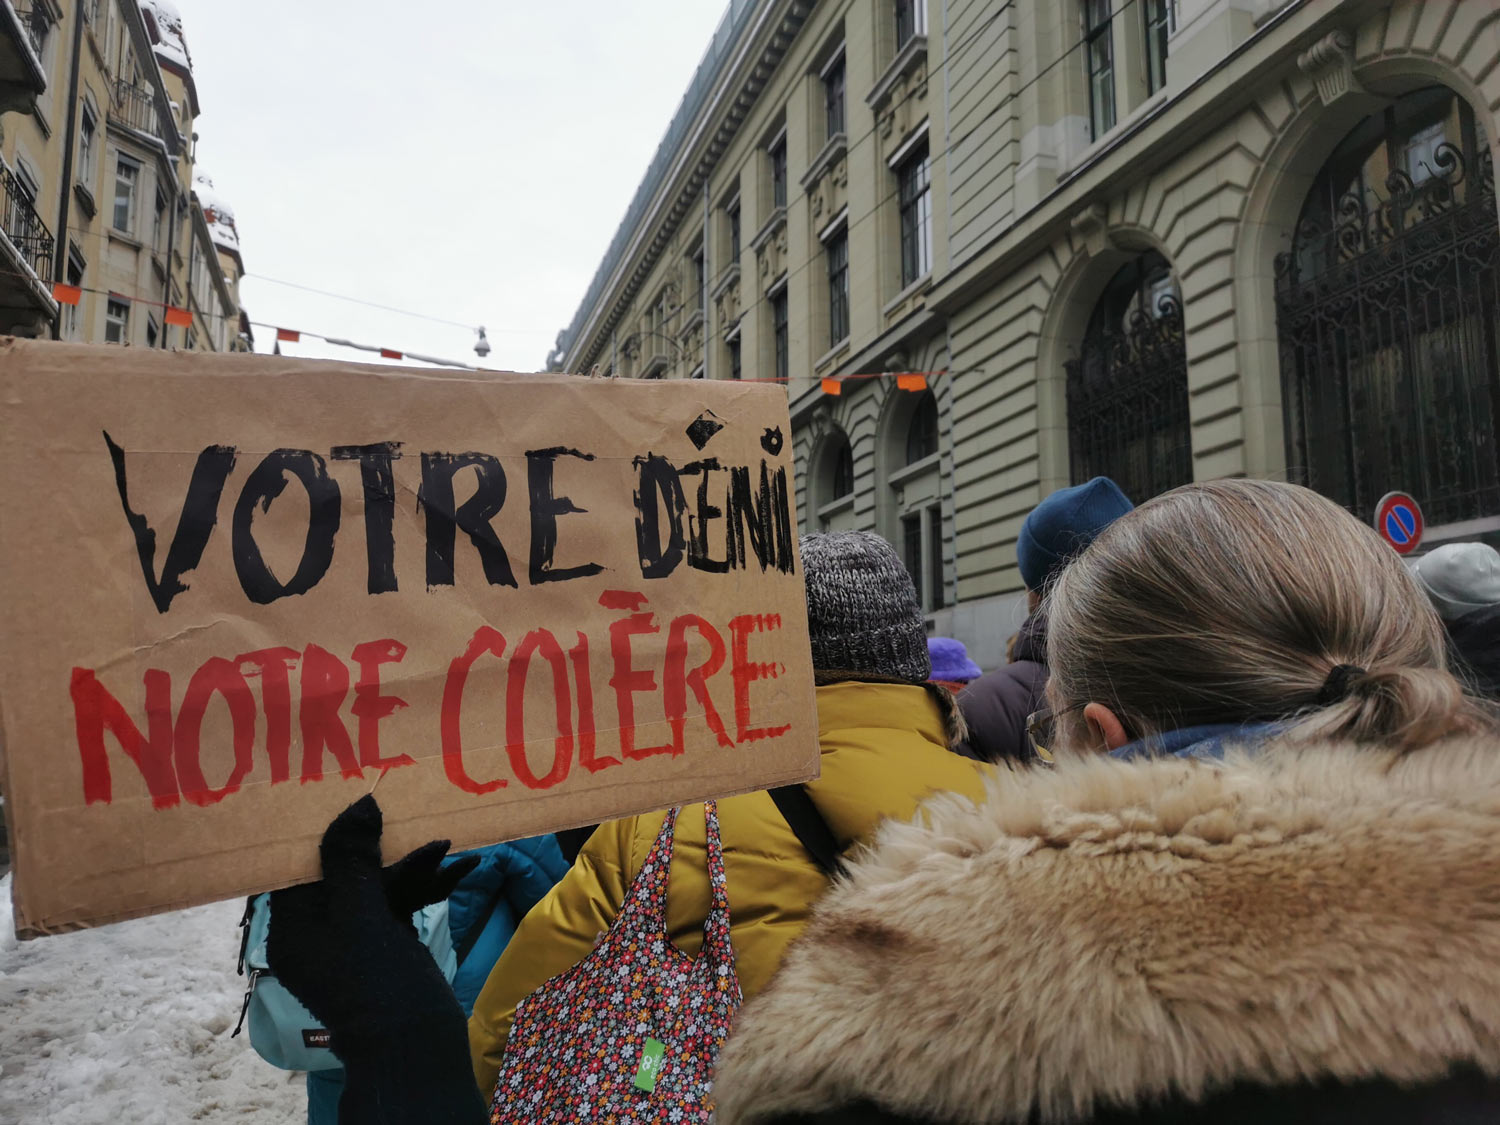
pixel 764 44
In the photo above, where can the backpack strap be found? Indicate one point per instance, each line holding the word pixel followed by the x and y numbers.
pixel 808 825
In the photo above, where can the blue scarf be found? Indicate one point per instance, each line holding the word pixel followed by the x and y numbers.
pixel 1207 742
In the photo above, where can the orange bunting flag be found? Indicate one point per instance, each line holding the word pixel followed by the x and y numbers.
pixel 178 316
pixel 832 387
pixel 66 294
pixel 290 335
pixel 912 382
pixel 389 353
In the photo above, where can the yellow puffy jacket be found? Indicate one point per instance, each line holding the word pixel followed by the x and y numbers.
pixel 884 750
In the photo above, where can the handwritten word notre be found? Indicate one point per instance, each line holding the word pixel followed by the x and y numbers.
pixel 167 752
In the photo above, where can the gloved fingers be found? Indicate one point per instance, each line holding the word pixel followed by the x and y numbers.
pixel 408 881
pixel 418 879
pixel 352 841
pixel 453 874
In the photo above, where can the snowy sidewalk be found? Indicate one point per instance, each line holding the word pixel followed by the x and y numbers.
pixel 129 1024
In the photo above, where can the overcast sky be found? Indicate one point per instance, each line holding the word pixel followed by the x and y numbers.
pixel 468 159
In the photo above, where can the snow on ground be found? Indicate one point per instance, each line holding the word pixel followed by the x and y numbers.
pixel 129 1024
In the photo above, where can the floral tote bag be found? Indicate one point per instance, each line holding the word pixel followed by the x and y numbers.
pixel 630 1034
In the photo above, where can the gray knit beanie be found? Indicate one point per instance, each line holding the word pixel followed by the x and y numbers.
pixel 862 608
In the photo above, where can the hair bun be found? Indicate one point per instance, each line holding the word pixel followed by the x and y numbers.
pixel 1401 707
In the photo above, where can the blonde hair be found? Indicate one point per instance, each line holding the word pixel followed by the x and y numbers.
pixel 1232 602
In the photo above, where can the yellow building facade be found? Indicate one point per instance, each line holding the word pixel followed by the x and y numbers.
pixel 1164 241
pixel 97 141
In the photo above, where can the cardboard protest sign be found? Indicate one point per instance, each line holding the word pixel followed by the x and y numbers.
pixel 240 590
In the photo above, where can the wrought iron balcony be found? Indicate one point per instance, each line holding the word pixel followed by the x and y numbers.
pixel 135 108
pixel 24 227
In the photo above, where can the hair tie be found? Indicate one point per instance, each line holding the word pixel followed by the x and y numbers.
pixel 1336 686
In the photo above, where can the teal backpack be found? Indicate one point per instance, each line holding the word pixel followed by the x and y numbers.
pixel 282 1031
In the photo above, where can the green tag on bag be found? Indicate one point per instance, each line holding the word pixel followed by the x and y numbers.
pixel 645 1074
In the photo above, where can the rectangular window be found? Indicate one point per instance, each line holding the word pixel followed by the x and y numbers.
pixel 699 280
pixel 151 331
pixel 116 322
pixel 833 97
pixel 777 154
pixel 192 339
pixel 911 550
pixel 26 182
pixel 75 278
pixel 837 249
pixel 734 232
pixel 916 216
pixel 911 21
pixel 159 221
pixel 734 359
pixel 1161 21
pixel 935 556
pixel 87 126
pixel 779 335
pixel 127 172
pixel 1099 57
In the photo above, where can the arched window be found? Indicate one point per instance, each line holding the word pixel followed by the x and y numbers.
pixel 922 430
pixel 841 482
pixel 1386 312
pixel 831 483
pixel 1127 390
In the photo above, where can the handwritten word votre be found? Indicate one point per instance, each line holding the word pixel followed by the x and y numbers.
pixel 737 518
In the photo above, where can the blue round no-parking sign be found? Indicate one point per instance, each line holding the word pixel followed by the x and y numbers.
pixel 1398 519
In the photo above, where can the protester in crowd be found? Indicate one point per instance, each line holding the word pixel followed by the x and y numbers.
pixel 885 741
pixel 1463 582
pixel 885 734
pixel 1261 883
pixel 995 705
pixel 951 666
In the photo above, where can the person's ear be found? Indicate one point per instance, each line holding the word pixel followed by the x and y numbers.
pixel 1105 728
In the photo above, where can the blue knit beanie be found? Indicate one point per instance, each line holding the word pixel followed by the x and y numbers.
pixel 1063 525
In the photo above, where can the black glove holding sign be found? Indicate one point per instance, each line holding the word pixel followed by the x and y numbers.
pixel 347 949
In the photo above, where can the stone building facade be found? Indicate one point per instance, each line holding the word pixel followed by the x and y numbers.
pixel 98 106
pixel 1164 240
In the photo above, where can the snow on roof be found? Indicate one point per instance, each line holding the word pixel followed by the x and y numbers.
pixel 218 214
pixel 165 23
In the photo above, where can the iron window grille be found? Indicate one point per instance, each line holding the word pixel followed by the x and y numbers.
pixel 914 184
pixel 1387 308
pixel 911 552
pixel 1099 57
pixel 935 556
pixel 1127 391
pixel 838 287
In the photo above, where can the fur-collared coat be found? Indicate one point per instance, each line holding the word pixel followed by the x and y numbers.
pixel 1307 935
